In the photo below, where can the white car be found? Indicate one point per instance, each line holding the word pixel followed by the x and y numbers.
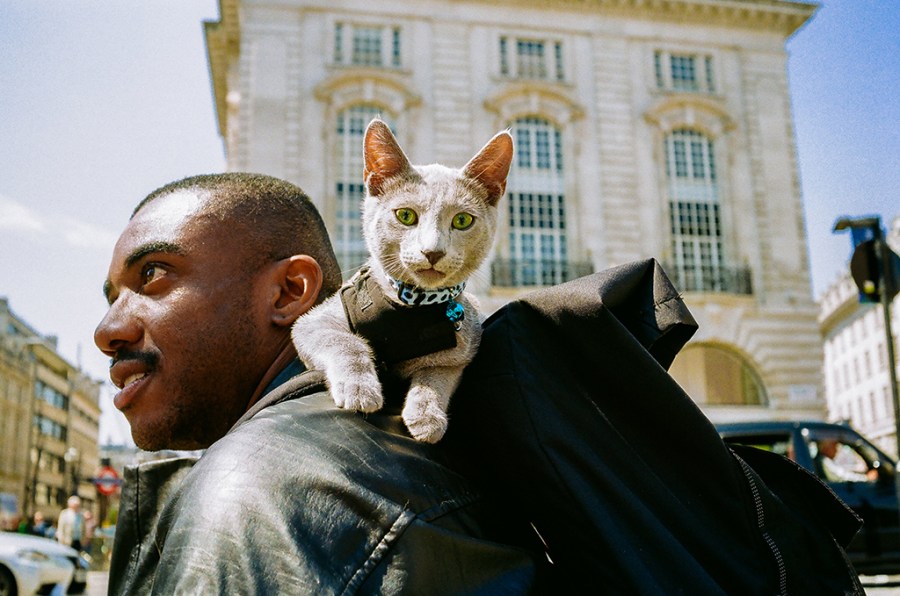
pixel 29 564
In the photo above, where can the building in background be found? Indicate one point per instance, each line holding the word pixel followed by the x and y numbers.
pixel 49 423
pixel 857 385
pixel 643 129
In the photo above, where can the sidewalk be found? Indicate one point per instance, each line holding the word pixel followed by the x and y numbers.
pixel 97 582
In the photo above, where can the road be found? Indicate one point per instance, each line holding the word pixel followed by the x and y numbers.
pixel 875 585
pixel 97 581
pixel 881 585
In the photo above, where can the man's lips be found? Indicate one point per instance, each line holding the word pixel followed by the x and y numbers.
pixel 130 389
pixel 123 374
pixel 129 368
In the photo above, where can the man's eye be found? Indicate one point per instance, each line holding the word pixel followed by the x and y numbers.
pixel 149 273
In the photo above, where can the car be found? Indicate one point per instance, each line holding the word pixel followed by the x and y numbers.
pixel 32 564
pixel 856 470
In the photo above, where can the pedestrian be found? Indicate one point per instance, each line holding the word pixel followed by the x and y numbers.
pixel 39 526
pixel 292 494
pixel 70 526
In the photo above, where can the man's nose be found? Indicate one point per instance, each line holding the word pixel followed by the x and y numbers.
pixel 118 328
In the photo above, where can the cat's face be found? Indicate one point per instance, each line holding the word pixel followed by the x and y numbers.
pixel 431 226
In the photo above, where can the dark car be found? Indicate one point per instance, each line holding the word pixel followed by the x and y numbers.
pixel 857 471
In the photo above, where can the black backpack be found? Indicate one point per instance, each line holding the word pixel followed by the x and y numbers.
pixel 569 422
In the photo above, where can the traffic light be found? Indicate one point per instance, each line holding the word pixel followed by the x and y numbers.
pixel 866 270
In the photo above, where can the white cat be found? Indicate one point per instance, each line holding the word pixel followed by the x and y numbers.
pixel 427 228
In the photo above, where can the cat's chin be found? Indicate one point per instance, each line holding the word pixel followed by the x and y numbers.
pixel 430 278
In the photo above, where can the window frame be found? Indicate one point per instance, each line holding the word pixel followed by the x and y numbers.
pixel 348 37
pixel 702 65
pixel 536 195
pixel 511 63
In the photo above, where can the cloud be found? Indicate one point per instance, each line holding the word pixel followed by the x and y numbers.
pixel 14 216
pixel 84 235
pixel 72 232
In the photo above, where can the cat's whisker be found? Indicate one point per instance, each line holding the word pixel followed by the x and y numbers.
pixel 481 275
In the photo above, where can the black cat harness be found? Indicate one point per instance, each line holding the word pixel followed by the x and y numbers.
pixel 425 322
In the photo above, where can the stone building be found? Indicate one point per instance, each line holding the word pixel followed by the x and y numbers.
pixel 857 385
pixel 49 422
pixel 643 129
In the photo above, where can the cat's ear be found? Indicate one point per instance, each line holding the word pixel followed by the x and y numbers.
pixel 384 158
pixel 490 166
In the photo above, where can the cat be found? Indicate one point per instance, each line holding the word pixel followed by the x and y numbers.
pixel 427 228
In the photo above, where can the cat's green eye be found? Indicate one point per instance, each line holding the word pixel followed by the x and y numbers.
pixel 406 216
pixel 462 221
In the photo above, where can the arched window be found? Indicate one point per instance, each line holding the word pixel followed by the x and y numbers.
pixel 349 246
pixel 713 375
pixel 694 211
pixel 537 217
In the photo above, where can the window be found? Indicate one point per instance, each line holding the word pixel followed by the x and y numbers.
pixel 694 213
pixel 777 442
pixel 717 376
pixel 350 248
pixel 684 72
pixel 51 396
pixel 840 456
pixel 537 216
pixel 370 45
pixel 50 428
pixel 531 58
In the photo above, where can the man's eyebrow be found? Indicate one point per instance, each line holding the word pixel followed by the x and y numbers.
pixel 152 247
pixel 141 252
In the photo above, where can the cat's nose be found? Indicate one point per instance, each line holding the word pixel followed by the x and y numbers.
pixel 433 256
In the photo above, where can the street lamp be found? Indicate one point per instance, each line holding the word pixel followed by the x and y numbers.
pixel 73 462
pixel 887 287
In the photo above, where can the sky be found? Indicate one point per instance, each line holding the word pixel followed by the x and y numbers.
pixel 103 101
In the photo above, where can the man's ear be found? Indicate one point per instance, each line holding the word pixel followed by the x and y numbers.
pixel 299 281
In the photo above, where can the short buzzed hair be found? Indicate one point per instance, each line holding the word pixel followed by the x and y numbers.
pixel 277 218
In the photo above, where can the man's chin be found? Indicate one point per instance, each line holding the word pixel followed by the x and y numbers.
pixel 155 441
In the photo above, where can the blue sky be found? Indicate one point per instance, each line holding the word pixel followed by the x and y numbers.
pixel 102 102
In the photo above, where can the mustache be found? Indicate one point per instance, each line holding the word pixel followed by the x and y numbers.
pixel 150 359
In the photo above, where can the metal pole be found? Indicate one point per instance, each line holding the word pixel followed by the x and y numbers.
pixel 887 283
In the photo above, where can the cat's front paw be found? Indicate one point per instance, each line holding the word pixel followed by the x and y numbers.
pixel 359 395
pixel 425 419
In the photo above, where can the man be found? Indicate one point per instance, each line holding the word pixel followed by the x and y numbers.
pixel 70 527
pixel 829 469
pixel 40 527
pixel 292 495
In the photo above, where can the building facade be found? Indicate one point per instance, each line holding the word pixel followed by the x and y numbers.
pixel 643 129
pixel 49 423
pixel 857 382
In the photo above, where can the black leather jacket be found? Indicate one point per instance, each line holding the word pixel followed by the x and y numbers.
pixel 301 497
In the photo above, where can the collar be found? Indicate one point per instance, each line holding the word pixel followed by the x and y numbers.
pixel 415 296
pixel 294 368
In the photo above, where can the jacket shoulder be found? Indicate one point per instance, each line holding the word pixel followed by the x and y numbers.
pixel 278 496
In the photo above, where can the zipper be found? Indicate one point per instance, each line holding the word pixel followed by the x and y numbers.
pixel 761 523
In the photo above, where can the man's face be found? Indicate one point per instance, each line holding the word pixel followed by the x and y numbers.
pixel 186 327
pixel 828 447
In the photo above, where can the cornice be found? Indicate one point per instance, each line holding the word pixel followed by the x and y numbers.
pixel 785 16
pixel 350 84
pixel 517 98
pixel 676 109
pixel 223 40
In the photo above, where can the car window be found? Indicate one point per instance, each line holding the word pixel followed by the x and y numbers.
pixel 842 456
pixel 776 442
